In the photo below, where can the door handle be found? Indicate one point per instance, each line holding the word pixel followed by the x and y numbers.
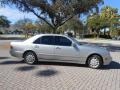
pixel 58 48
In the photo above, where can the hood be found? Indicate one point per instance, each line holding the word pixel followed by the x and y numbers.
pixel 94 46
pixel 91 47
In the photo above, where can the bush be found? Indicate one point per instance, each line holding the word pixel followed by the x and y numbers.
pixel 89 36
pixel 106 36
pixel 101 36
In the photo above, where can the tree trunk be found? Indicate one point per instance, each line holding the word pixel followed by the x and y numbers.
pixel 98 34
pixel 79 33
pixel 104 31
pixel 55 30
pixel 75 32
pixel 26 33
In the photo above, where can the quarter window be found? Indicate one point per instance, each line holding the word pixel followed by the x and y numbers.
pixel 37 41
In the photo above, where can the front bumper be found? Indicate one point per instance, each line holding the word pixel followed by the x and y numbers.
pixel 107 60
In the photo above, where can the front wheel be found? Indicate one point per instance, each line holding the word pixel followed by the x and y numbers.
pixel 30 58
pixel 95 61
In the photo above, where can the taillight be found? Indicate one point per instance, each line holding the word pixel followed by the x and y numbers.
pixel 11 47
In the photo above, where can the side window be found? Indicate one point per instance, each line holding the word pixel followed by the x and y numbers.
pixel 46 40
pixel 62 41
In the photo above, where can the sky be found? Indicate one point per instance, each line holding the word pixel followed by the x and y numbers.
pixel 14 14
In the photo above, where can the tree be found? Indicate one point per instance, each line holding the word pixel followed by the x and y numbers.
pixel 4 22
pixel 42 27
pixel 25 24
pixel 55 12
pixel 108 18
pixel 29 27
pixel 74 24
pixel 94 23
pixel 111 18
pixel 21 23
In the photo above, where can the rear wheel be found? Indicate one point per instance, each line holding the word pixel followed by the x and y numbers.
pixel 95 61
pixel 30 57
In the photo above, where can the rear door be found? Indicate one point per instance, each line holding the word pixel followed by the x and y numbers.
pixel 44 47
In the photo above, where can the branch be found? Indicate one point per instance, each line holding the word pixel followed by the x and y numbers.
pixel 66 20
pixel 42 18
pixel 24 3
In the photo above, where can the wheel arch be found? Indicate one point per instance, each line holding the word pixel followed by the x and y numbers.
pixel 92 55
pixel 29 51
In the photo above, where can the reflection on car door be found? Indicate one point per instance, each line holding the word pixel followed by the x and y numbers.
pixel 45 48
pixel 64 49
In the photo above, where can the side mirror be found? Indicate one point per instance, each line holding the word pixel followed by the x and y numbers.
pixel 74 45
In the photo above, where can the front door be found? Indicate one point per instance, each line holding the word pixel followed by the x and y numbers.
pixel 64 49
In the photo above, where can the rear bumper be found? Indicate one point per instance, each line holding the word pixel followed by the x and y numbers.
pixel 18 54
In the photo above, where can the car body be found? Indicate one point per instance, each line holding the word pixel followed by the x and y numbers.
pixel 58 48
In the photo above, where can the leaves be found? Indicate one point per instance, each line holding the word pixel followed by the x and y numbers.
pixel 54 12
pixel 108 18
pixel 4 22
pixel 26 25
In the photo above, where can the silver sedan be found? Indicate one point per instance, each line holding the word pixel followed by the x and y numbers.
pixel 59 48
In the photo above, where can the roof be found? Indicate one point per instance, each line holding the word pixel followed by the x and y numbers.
pixel 39 35
pixel 50 35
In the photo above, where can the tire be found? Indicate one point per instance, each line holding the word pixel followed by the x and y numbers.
pixel 30 58
pixel 95 61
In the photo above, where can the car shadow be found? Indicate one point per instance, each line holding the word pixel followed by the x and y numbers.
pixel 112 65
pixel 11 62
pixel 4 57
pixel 25 68
pixel 61 64
pixel 47 73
